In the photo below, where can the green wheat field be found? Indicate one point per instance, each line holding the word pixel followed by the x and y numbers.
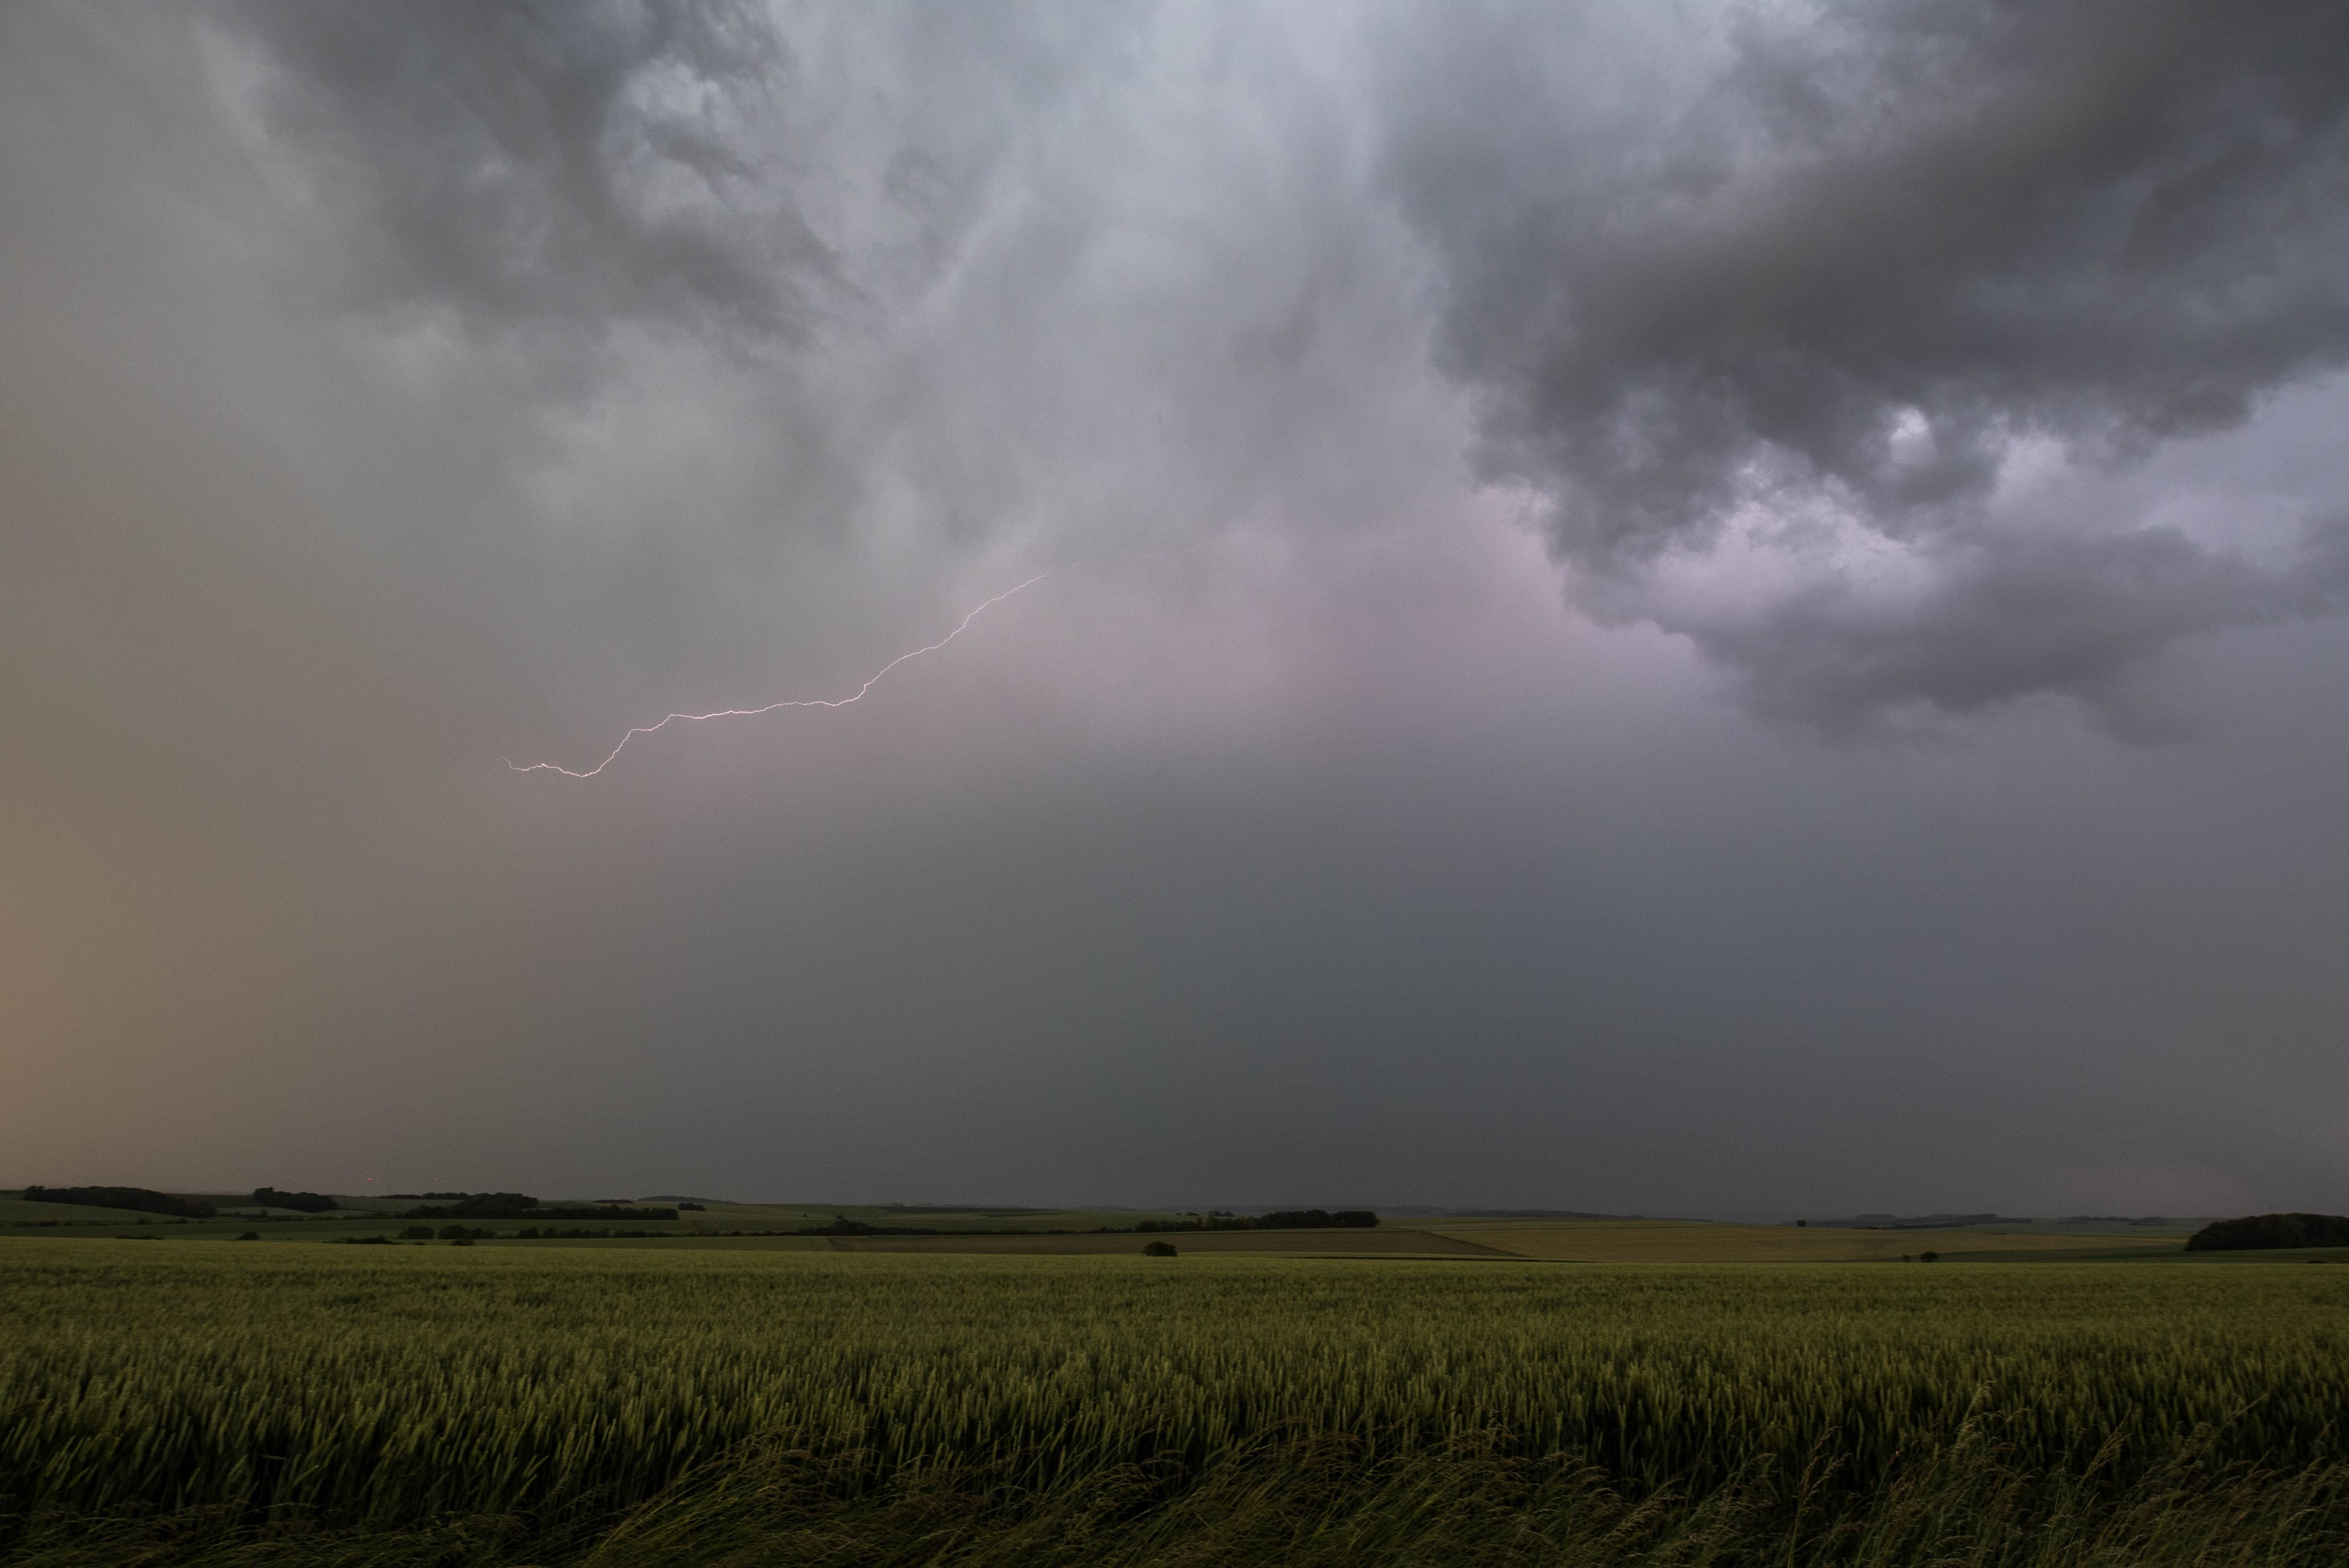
pixel 198 1401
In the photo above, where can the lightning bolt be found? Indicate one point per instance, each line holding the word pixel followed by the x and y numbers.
pixel 855 696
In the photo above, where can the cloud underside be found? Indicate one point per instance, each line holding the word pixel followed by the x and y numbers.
pixel 1855 272
pixel 1815 284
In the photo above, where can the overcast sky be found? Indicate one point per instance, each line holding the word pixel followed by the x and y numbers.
pixel 1702 608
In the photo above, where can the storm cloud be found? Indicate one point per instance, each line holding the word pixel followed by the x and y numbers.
pixel 533 161
pixel 1838 284
pixel 1834 275
pixel 1726 608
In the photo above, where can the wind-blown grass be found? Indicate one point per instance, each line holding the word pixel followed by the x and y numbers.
pixel 475 1404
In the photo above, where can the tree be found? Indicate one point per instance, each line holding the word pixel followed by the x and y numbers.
pixel 2260 1231
pixel 306 1202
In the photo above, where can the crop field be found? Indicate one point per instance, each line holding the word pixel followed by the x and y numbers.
pixel 685 1245
pixel 1339 1243
pixel 1685 1242
pixel 1068 1232
pixel 585 1401
pixel 15 1209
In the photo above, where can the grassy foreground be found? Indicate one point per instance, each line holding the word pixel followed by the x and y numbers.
pixel 197 1403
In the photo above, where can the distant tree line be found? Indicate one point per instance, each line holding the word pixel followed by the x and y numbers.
pixel 842 1225
pixel 473 1205
pixel 1279 1220
pixel 308 1202
pixel 1214 1220
pixel 577 1234
pixel 522 1206
pixel 2257 1231
pixel 139 1198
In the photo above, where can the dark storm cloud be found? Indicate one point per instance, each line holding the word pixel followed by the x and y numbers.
pixel 1846 260
pixel 585 163
pixel 2027 613
pixel 393 388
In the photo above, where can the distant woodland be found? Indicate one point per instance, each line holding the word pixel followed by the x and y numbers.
pixel 2263 1231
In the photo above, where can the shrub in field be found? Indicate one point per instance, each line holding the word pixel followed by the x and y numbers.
pixel 1158 1249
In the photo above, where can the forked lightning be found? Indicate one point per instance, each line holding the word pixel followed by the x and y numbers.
pixel 855 696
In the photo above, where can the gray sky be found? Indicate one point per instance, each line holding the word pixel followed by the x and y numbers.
pixel 1724 608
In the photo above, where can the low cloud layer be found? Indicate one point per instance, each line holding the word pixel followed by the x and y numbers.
pixel 1725 608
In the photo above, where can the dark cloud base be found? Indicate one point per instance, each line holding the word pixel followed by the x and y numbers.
pixel 1850 269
